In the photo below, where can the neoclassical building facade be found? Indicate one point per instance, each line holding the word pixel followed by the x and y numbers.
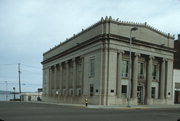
pixel 95 64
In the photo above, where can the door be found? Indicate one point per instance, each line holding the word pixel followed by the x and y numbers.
pixel 140 94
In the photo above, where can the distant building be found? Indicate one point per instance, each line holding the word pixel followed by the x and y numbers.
pixel 177 70
pixel 94 64
pixel 32 96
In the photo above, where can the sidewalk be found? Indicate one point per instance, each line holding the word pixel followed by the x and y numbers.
pixel 135 107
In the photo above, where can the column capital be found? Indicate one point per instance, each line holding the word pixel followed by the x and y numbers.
pixel 137 54
pixel 52 67
pixel 164 59
pixel 66 62
pixel 151 57
pixel 57 65
pixel 170 59
pixel 81 57
pixel 120 51
pixel 60 64
pixel 74 59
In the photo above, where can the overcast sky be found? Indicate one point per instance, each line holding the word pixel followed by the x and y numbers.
pixel 30 27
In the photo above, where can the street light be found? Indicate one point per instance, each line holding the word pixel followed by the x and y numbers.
pixel 14 93
pixel 129 82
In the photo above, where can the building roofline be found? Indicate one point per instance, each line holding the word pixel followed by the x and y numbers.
pixel 117 21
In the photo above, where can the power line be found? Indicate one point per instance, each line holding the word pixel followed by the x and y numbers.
pixel 8 64
pixel 31 66
pixel 10 82
pixel 34 67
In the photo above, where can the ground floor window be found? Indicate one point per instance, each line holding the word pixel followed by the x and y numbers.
pixel 124 90
pixel 91 89
pixel 153 92
pixel 177 97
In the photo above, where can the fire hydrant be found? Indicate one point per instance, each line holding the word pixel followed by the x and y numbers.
pixel 86 102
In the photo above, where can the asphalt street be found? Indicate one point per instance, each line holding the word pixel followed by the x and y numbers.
pixel 16 111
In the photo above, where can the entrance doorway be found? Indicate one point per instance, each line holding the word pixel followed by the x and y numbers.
pixel 140 94
pixel 177 97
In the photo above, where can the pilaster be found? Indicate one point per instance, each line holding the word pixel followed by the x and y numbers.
pixel 162 80
pixel 74 76
pixel 135 75
pixel 149 78
pixel 119 72
pixel 60 79
pixel 67 77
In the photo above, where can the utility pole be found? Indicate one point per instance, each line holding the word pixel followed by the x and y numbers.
pixel 130 63
pixel 19 73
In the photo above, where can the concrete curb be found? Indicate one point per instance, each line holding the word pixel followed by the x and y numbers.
pixel 122 107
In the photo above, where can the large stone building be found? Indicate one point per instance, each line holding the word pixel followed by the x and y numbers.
pixel 94 64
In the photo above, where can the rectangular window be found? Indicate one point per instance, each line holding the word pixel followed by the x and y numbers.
pixel 92 67
pixel 141 70
pixel 154 74
pixel 125 69
pixel 79 92
pixel 124 89
pixel 153 92
pixel 91 89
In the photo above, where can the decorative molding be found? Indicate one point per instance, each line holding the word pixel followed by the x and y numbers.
pixel 104 37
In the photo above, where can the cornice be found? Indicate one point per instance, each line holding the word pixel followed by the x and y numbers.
pixel 104 37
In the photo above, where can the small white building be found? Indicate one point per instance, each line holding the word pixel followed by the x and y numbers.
pixel 31 96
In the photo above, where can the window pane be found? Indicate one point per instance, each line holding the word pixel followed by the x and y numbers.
pixel 154 72
pixel 124 89
pixel 153 90
pixel 125 68
pixel 92 67
pixel 141 71
pixel 91 89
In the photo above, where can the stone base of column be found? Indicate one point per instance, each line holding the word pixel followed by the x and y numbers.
pixel 134 101
pixel 118 96
pixel 148 101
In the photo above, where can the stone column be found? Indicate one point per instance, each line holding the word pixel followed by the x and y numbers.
pixel 162 80
pixel 82 74
pixel 60 79
pixel 135 76
pixel 55 80
pixel 49 83
pixel 149 79
pixel 74 77
pixel 169 79
pixel 119 72
pixel 67 78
